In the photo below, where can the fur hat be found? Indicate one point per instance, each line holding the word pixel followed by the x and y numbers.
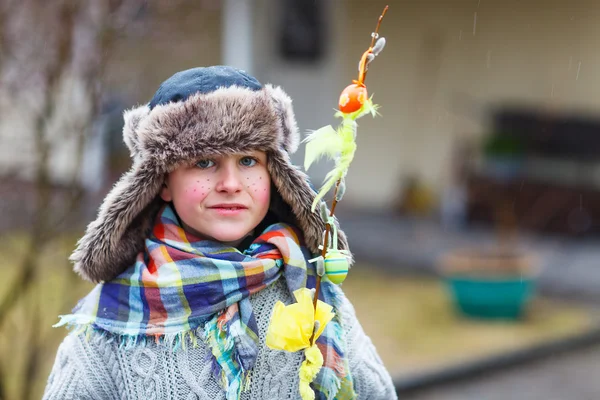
pixel 195 114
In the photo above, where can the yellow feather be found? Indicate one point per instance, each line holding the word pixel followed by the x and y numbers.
pixel 322 142
pixel 330 180
pixel 368 108
pixel 338 145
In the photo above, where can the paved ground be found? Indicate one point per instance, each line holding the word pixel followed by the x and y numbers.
pixel 571 376
pixel 570 269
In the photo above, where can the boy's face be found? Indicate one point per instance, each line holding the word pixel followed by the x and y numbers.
pixel 222 198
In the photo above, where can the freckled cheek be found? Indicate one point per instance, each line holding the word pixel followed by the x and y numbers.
pixel 259 186
pixel 262 195
pixel 194 193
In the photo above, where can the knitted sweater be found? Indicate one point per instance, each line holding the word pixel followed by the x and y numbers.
pixel 95 368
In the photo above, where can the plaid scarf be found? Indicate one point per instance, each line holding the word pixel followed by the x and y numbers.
pixel 182 285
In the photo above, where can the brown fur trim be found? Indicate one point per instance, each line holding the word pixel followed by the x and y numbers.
pixel 283 105
pixel 112 241
pixel 225 121
pixel 132 119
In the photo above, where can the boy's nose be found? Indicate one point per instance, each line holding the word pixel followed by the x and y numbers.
pixel 229 179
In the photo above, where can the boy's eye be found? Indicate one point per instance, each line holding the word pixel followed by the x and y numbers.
pixel 205 164
pixel 248 161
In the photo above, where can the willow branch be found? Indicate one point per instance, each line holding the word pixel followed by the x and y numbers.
pixel 326 242
pixel 362 75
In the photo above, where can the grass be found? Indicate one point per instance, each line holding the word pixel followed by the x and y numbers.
pixel 54 291
pixel 415 328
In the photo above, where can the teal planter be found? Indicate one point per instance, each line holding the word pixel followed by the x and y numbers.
pixel 490 283
pixel 489 298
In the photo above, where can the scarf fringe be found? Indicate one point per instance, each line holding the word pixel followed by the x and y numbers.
pixel 223 349
pixel 174 341
pixel 329 384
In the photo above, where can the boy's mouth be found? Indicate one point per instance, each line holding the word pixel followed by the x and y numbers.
pixel 229 206
pixel 228 209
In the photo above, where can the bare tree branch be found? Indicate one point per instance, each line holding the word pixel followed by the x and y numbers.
pixel 18 286
pixel 32 363
pixel 70 42
pixel 6 9
pixel 40 228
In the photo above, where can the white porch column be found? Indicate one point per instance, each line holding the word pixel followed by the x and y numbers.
pixel 237 34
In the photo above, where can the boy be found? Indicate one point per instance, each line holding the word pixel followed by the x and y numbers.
pixel 192 248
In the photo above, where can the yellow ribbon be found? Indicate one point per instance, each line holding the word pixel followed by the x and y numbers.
pixel 291 329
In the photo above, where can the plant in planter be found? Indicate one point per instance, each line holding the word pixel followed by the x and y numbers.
pixel 497 281
pixel 503 155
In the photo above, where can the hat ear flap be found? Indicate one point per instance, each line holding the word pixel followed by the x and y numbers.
pixel 130 134
pixel 113 240
pixel 283 107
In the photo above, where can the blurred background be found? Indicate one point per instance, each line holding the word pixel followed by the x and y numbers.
pixel 472 205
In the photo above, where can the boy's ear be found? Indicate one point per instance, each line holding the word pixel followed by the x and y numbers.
pixel 165 193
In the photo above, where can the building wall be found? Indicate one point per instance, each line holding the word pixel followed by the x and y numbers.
pixel 440 72
pixel 442 69
pixel 174 38
pixel 312 86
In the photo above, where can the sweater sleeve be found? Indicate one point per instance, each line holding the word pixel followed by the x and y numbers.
pixel 76 375
pixel 372 381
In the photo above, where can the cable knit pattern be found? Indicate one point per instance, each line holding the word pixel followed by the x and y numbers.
pixel 96 368
pixel 371 379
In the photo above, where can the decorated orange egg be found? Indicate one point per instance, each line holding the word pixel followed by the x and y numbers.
pixel 352 98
